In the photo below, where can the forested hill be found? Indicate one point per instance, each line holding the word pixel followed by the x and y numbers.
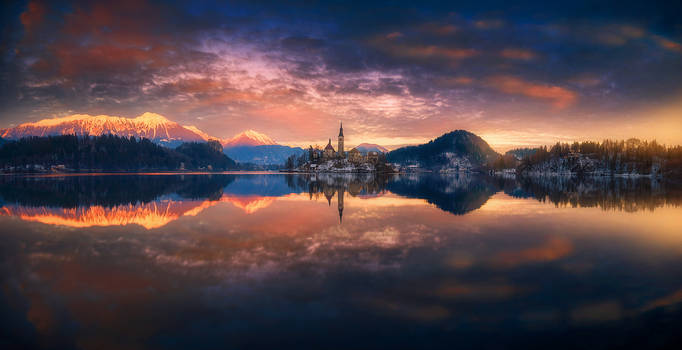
pixel 109 153
pixel 631 157
pixel 458 149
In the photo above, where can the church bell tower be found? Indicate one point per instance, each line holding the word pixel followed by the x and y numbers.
pixel 340 149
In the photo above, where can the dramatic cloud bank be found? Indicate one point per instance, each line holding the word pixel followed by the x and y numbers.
pixel 394 73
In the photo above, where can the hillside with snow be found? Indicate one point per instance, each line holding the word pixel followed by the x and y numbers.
pixel 152 126
pixel 249 138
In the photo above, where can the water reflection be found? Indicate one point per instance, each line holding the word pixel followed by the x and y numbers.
pixel 262 261
pixel 153 201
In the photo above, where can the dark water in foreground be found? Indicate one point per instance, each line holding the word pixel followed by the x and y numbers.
pixel 293 261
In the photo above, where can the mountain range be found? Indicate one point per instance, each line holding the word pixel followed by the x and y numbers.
pixel 459 149
pixel 371 147
pixel 151 126
pixel 249 146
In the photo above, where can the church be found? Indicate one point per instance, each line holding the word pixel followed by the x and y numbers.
pixel 329 153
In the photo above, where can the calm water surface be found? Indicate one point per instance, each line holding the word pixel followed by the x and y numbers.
pixel 349 262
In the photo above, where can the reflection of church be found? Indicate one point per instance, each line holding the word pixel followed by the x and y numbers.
pixel 340 185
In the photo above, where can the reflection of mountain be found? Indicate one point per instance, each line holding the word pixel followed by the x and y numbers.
pixel 249 204
pixel 108 191
pixel 608 193
pixel 83 201
pixel 153 201
pixel 148 215
pixel 457 194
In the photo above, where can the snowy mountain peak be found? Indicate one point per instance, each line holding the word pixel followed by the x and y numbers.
pixel 152 119
pixel 249 138
pixel 148 125
pixel 196 130
pixel 371 147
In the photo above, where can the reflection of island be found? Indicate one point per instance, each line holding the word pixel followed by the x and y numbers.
pixel 608 193
pixel 338 184
pixel 153 201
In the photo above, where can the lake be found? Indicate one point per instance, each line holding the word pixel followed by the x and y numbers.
pixel 214 261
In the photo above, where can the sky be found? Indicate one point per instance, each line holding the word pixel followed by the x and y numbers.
pixel 396 73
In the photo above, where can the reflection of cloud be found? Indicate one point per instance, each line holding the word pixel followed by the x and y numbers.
pixel 249 204
pixel 555 248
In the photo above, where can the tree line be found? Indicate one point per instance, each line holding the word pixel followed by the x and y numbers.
pixel 624 156
pixel 109 153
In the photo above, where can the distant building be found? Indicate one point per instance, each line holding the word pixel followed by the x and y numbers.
pixel 355 156
pixel 314 153
pixel 329 151
pixel 373 156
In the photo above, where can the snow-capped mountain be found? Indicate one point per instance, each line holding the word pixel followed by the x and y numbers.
pixel 148 125
pixel 371 147
pixel 249 138
pixel 253 147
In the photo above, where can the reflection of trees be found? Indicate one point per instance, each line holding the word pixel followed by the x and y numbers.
pixel 108 191
pixel 457 194
pixel 608 193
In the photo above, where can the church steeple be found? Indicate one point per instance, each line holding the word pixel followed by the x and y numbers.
pixel 341 153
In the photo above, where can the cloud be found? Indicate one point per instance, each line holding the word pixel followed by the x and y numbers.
pixel 408 74
pixel 558 96
pixel 33 16
pixel 518 54
pixel 394 35
pixel 668 44
pixel 487 24
pixel 438 29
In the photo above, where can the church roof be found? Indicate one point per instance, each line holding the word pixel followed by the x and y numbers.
pixel 329 145
pixel 354 150
pixel 341 130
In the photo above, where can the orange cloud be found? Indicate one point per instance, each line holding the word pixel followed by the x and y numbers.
pixel 518 54
pixel 438 29
pixel 453 81
pixel 671 299
pixel 668 44
pixel 394 35
pixel 33 16
pixel 419 51
pixel 488 24
pixel 436 51
pixel 560 97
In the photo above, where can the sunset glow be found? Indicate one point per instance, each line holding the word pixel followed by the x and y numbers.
pixel 517 77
